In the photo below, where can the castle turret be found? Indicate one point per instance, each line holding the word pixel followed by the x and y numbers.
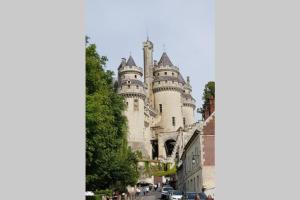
pixel 167 88
pixel 132 88
pixel 188 104
pixel 148 70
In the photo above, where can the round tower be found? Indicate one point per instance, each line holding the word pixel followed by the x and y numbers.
pixel 188 104
pixel 167 89
pixel 132 88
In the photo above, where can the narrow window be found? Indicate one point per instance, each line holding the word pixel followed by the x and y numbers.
pixel 137 87
pixel 166 73
pixel 126 103
pixel 172 73
pixel 173 121
pixel 166 81
pixel 157 74
pixel 128 86
pixel 184 121
pixel 160 108
pixel 136 105
pixel 158 82
pixel 135 76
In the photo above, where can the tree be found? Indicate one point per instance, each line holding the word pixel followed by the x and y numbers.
pixel 109 162
pixel 209 91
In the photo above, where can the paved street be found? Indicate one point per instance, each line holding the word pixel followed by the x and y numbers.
pixel 150 196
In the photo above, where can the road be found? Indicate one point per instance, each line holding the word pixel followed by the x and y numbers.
pixel 150 196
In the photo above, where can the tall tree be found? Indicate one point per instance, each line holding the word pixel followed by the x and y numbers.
pixel 109 162
pixel 208 92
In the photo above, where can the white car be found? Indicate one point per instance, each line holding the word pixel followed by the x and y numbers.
pixel 165 192
pixel 175 195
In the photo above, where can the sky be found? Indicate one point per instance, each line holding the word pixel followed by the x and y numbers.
pixel 184 29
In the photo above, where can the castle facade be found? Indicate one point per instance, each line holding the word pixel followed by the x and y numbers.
pixel 160 106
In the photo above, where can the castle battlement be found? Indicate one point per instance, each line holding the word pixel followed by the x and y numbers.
pixel 160 68
pixel 131 69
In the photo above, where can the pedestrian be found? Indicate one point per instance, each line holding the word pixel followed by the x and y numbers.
pixel 203 195
pixel 138 191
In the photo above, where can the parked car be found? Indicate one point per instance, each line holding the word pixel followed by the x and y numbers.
pixel 175 195
pixel 189 196
pixel 164 192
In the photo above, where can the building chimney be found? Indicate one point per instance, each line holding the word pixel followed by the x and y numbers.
pixel 211 105
pixel 206 112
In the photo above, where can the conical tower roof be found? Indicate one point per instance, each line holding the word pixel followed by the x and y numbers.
pixel 130 62
pixel 165 60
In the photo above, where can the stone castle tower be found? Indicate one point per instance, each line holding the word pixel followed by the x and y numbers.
pixel 160 107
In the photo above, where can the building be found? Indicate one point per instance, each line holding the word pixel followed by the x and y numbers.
pixel 208 148
pixel 196 168
pixel 189 171
pixel 160 107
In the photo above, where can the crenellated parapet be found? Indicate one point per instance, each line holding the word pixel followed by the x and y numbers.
pixel 131 69
pixel 132 88
pixel 188 100
pixel 161 68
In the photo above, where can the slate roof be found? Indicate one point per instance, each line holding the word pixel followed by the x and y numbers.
pixel 181 79
pixel 130 62
pixel 165 60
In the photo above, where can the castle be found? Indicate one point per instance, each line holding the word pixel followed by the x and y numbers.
pixel 160 109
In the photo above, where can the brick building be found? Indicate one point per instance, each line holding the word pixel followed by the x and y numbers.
pixel 208 148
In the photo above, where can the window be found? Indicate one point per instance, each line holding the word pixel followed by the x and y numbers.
pixel 172 73
pixel 128 86
pixel 136 105
pixel 158 82
pixel 137 87
pixel 135 76
pixel 157 74
pixel 126 103
pixel 173 121
pixel 184 121
pixel 160 108
pixel 166 81
pixel 166 73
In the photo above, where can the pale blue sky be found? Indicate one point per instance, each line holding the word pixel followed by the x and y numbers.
pixel 186 28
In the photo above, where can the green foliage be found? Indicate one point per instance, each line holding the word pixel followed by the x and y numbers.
pixel 168 172
pixel 109 162
pixel 95 197
pixel 106 192
pixel 209 91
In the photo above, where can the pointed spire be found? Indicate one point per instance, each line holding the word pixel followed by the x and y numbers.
pixel 165 60
pixel 130 61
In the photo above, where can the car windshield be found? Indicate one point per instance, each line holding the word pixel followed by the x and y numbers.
pixel 167 189
pixel 176 192
pixel 191 195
